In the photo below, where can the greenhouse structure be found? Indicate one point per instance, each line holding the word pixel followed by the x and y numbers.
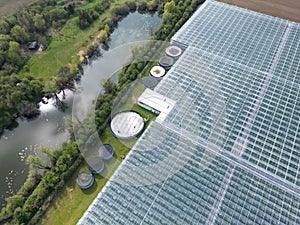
pixel 228 152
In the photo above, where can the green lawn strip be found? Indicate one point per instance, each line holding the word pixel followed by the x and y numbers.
pixel 62 49
pixel 71 202
pixel 145 114
pixel 88 6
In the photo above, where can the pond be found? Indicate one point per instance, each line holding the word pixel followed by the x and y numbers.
pixel 49 128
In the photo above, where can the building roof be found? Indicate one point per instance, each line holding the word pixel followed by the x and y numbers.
pixel 149 82
pixel 228 151
pixel 85 179
pixel 106 151
pixel 127 124
pixel 157 71
pixel 33 45
pixel 173 51
pixel 96 165
pixel 158 102
pixel 166 61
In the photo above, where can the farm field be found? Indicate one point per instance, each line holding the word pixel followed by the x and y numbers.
pixel 9 7
pixel 287 9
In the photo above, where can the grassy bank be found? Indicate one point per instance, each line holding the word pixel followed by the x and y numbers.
pixel 71 202
pixel 68 41
pixel 65 45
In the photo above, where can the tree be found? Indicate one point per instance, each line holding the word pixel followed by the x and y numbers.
pixel 2 58
pixel 37 162
pixel 109 87
pixel 121 10
pixel 4 42
pixel 65 80
pixel 152 5
pixel 14 53
pixel 50 88
pixel 19 34
pixel 12 20
pixel 50 180
pixel 57 14
pixel 103 36
pixel 25 19
pixel 36 89
pixel 70 8
pixel 170 7
pixel 51 153
pixel 61 165
pixel 15 201
pixel 39 23
pixel 4 27
pixel 27 109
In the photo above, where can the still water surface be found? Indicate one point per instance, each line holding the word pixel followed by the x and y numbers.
pixel 49 128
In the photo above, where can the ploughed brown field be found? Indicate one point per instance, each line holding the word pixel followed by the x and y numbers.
pixel 287 9
pixel 9 7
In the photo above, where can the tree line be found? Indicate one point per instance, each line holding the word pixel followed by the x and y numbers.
pixel 49 170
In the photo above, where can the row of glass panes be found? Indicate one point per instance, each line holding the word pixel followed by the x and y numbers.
pixel 290 175
pixel 235 217
pixel 247 34
pixel 215 9
pixel 230 82
pixel 251 19
pixel 274 136
pixel 277 144
pixel 244 209
pixel 267 206
pixel 275 100
pixel 281 83
pixel 260 143
pixel 289 93
pixel 190 202
pixel 275 131
pixel 235 100
pixel 266 115
pixel 257 151
pixel 272 139
pixel 254 195
pixel 263 187
pixel 290 56
pixel 288 161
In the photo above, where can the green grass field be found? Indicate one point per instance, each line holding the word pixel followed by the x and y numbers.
pixel 71 202
pixel 63 50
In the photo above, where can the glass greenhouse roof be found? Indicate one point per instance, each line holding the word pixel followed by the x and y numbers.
pixel 229 150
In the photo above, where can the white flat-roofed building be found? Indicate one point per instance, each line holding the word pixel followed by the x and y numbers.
pixel 156 103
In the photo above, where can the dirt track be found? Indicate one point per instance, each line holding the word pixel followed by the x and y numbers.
pixel 287 9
